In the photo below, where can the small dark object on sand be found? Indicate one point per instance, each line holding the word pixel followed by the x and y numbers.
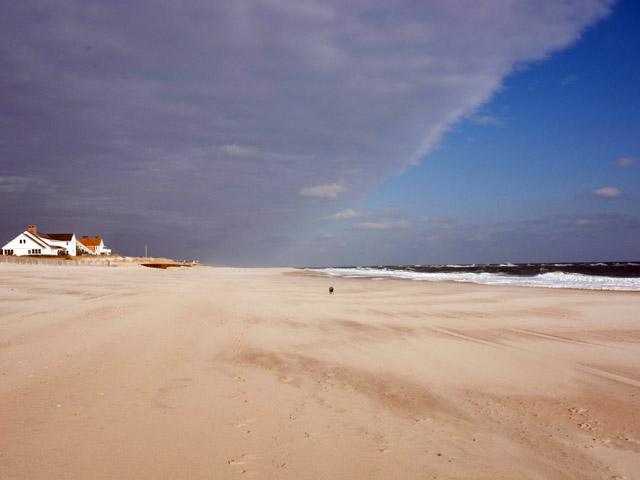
pixel 330 290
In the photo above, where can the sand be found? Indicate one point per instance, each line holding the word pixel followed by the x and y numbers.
pixel 227 373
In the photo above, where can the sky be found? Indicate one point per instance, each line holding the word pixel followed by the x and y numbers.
pixel 310 133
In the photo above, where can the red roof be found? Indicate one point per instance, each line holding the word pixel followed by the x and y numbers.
pixel 90 242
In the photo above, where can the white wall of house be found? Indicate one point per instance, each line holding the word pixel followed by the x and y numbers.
pixel 26 244
pixel 81 249
pixel 99 249
pixel 29 244
pixel 69 246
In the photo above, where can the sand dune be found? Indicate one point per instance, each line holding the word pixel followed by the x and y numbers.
pixel 227 373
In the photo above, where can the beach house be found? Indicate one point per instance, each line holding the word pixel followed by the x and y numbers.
pixel 93 246
pixel 31 242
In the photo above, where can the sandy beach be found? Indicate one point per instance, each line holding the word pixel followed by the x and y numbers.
pixel 236 373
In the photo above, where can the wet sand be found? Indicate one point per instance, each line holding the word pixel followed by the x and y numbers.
pixel 227 373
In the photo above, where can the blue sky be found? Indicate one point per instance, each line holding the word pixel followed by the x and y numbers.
pixel 550 135
pixel 271 132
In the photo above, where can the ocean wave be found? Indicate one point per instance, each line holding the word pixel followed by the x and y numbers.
pixel 546 280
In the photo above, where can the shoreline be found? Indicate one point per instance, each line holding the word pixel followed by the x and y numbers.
pixel 417 280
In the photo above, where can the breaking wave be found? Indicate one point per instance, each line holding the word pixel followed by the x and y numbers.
pixel 617 276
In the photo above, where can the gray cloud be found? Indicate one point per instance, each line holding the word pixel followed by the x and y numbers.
pixel 331 190
pixel 239 152
pixel 197 127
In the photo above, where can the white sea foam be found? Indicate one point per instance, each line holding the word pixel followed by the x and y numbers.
pixel 547 280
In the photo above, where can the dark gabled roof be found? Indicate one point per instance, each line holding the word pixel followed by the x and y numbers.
pixel 61 237
pixel 36 239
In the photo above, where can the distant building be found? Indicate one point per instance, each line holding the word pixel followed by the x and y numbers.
pixel 30 242
pixel 93 246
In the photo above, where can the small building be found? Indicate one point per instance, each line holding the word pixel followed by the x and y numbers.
pixel 30 242
pixel 92 246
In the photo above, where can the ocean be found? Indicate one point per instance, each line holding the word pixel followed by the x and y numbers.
pixel 586 276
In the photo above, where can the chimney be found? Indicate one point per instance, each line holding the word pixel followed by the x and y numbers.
pixel 32 229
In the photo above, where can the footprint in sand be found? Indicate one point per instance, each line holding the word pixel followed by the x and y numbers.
pixel 239 397
pixel 241 461
pixel 602 440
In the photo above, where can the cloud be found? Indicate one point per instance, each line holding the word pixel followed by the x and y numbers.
pixel 433 239
pixel 606 192
pixel 348 214
pixel 383 225
pixel 428 218
pixel 16 184
pixel 388 211
pixel 304 91
pixel 569 79
pixel 478 238
pixel 582 222
pixel 239 152
pixel 626 161
pixel 323 191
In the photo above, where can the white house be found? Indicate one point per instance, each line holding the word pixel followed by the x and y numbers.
pixel 31 242
pixel 93 246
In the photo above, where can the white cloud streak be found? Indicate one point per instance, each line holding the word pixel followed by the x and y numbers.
pixel 383 225
pixel 348 214
pixel 606 192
